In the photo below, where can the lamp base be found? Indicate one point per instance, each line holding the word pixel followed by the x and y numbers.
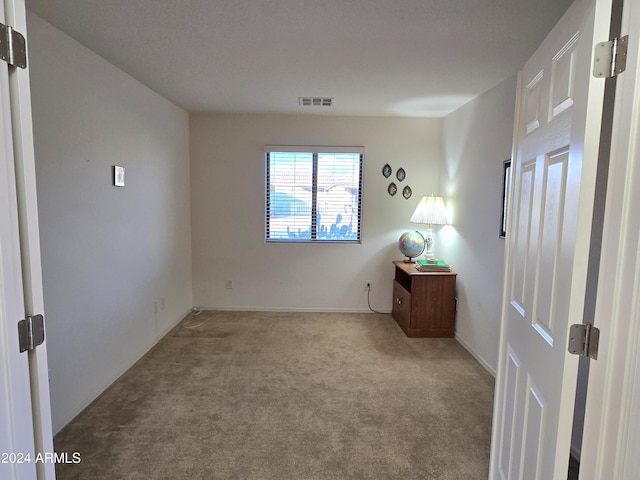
pixel 428 242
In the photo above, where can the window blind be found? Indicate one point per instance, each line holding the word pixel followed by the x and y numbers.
pixel 313 194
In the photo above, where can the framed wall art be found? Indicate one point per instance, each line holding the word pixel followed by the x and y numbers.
pixel 506 191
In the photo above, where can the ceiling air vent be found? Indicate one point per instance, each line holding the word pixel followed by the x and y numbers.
pixel 315 101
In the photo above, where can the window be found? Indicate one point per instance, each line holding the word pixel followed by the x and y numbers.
pixel 313 194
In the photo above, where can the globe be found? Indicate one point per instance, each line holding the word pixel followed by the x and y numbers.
pixel 411 244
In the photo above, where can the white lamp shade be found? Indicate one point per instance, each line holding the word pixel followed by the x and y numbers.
pixel 430 210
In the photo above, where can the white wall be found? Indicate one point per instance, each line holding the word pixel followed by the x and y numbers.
pixel 227 188
pixel 477 139
pixel 108 253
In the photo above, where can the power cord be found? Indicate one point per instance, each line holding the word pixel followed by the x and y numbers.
pixel 195 311
pixel 369 300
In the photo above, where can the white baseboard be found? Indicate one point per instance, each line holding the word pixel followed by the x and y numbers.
pixel 292 309
pixel 480 360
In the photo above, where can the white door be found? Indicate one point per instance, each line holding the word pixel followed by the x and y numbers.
pixel 25 415
pixel 555 154
pixel 16 427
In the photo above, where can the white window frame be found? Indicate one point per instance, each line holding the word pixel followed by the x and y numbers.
pixel 314 150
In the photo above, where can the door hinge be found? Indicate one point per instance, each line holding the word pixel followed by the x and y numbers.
pixel 583 340
pixel 13 47
pixel 31 332
pixel 610 58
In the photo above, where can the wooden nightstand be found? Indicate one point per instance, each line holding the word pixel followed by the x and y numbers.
pixel 424 303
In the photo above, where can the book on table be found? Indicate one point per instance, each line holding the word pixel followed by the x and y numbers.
pixel 425 265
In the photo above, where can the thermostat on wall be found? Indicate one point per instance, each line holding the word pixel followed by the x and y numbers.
pixel 118 176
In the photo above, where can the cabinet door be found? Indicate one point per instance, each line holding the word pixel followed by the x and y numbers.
pixel 433 311
pixel 401 309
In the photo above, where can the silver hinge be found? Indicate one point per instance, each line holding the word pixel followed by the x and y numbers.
pixel 13 47
pixel 610 58
pixel 583 340
pixel 31 332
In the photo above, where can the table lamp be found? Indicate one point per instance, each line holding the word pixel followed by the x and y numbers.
pixel 430 211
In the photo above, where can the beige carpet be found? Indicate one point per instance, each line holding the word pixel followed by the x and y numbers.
pixel 289 396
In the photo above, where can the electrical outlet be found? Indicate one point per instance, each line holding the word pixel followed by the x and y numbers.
pixel 367 286
pixel 155 307
pixel 229 285
pixel 162 304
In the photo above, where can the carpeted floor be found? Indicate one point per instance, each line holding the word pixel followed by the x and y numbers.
pixel 289 396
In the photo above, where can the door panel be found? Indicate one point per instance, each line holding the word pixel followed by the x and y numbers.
pixel 533 101
pixel 563 71
pixel 522 234
pixel 552 219
pixel 535 410
pixel 509 456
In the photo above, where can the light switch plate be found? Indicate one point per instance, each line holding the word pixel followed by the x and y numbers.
pixel 118 176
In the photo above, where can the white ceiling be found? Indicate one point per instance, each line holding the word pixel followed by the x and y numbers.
pixel 375 57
